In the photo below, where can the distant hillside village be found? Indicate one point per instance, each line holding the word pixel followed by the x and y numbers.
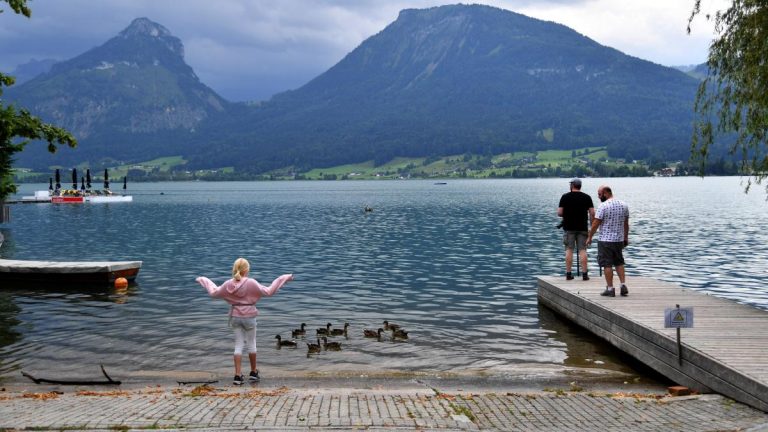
pixel 587 162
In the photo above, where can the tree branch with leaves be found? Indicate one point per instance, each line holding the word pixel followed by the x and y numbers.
pixel 18 127
pixel 732 101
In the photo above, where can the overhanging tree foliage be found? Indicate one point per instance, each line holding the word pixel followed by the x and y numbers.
pixel 18 127
pixel 732 101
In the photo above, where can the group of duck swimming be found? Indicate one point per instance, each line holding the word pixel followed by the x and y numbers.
pixel 324 332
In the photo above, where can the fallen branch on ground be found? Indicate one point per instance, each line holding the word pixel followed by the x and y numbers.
pixel 109 381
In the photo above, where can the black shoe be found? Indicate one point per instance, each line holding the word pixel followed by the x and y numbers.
pixel 568 276
pixel 609 292
pixel 584 276
pixel 254 376
pixel 238 380
pixel 624 290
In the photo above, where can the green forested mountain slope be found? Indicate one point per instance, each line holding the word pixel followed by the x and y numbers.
pixel 441 81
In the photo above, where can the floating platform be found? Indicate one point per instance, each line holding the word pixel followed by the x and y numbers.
pixel 45 197
pixel 726 351
pixel 60 272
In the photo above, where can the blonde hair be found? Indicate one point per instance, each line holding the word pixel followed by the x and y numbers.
pixel 239 269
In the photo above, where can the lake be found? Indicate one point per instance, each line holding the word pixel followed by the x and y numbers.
pixel 453 263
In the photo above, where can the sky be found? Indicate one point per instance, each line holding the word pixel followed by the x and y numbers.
pixel 249 50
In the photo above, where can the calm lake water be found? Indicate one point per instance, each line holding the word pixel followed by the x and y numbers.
pixel 455 264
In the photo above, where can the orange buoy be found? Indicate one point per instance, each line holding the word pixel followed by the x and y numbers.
pixel 121 283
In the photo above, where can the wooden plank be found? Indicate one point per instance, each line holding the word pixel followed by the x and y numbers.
pixel 724 352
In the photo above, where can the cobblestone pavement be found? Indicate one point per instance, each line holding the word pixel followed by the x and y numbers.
pixel 225 407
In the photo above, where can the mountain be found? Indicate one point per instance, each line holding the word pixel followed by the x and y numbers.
pixel 27 71
pixel 132 98
pixel 456 79
pixel 440 81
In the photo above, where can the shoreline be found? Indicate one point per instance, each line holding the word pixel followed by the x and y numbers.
pixel 520 378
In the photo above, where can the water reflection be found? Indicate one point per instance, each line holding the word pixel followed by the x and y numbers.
pixel 582 348
pixel 74 294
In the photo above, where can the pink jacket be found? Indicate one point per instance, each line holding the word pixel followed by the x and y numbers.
pixel 243 294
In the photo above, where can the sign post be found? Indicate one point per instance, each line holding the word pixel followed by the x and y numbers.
pixel 678 318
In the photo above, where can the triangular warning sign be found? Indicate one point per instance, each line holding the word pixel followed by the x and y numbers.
pixel 678 317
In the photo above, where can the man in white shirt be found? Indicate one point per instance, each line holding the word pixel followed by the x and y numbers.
pixel 612 217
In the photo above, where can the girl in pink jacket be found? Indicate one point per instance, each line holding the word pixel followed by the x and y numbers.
pixel 242 294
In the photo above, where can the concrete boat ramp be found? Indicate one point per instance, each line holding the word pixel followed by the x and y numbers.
pixel 726 350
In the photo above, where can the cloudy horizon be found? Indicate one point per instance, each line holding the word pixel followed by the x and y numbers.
pixel 253 49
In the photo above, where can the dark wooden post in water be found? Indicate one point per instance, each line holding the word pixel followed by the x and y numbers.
pixel 5 213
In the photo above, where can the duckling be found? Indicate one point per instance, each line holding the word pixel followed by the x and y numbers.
pixel 299 332
pixel 324 331
pixel 313 348
pixel 285 343
pixel 390 326
pixel 373 333
pixel 333 346
pixel 399 334
pixel 340 332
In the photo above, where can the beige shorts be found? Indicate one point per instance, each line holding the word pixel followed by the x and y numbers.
pixel 572 238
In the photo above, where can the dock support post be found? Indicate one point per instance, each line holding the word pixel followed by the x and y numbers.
pixel 5 213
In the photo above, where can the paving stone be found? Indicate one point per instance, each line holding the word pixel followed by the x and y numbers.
pixel 302 409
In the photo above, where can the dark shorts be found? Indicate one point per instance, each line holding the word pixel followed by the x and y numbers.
pixel 572 238
pixel 610 254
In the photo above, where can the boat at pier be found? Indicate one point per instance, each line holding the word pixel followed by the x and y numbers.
pixel 58 195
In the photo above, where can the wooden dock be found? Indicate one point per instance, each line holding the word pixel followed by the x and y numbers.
pixel 725 352
pixel 62 272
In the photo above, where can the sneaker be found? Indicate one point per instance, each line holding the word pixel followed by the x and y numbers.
pixel 568 276
pixel 624 290
pixel 609 292
pixel 584 276
pixel 238 380
pixel 254 376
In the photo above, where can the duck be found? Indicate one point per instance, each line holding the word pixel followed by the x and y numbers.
pixel 285 343
pixel 340 332
pixel 373 333
pixel 313 348
pixel 391 326
pixel 399 334
pixel 299 331
pixel 333 346
pixel 324 331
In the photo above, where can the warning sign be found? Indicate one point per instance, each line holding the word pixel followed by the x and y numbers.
pixel 678 317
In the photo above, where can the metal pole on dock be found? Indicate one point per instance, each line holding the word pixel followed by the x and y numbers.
pixel 578 258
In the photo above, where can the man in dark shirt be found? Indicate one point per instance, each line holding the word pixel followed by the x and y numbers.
pixel 577 212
